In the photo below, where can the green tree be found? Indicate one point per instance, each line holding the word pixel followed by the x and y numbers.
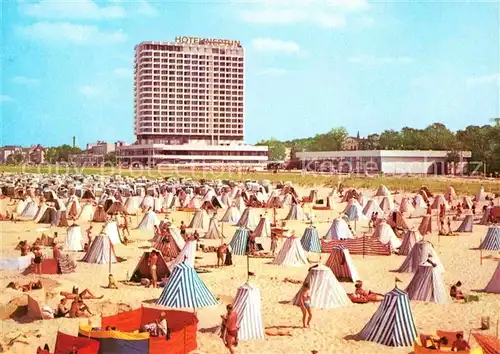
pixel 331 141
pixel 439 137
pixel 16 158
pixel 276 149
pixel 110 158
pixel 390 140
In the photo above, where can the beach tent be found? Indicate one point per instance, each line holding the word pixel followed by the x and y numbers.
pixel 73 207
pixel 249 219
pixel 239 203
pixel 491 241
pixel 354 211
pixel 15 263
pixel 148 202
pixel 386 235
pixel 239 242
pixel 111 229
pixel 226 199
pixel 131 205
pixel 263 228
pixel 438 201
pixel 101 251
pixel 142 269
pixel 362 199
pixel 450 194
pixel 88 194
pixel 339 230
pixel 246 304
pixel 29 210
pixel 295 212
pixel 87 213
pixel 116 208
pixel 187 255
pixel 485 219
pixel 231 215
pixel 61 220
pixel 382 191
pixel 494 283
pixel 425 227
pixel 310 240
pixel 149 221
pixel 326 291
pixel 341 264
pixel 480 195
pixel 99 214
pixel 48 216
pixel 200 220
pixel 73 240
pixel 427 284
pixel 194 203
pixel 372 207
pixel 213 230
pixel 291 254
pixel 177 237
pixel 467 202
pixel 410 238
pixel 406 206
pixel 386 204
pixel 185 289
pixel 466 225
pixel 392 324
pixel 420 253
pixel 129 339
pixel 167 246
pixel 397 220
pixel 21 204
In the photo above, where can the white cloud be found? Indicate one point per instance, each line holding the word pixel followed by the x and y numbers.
pixel 275 45
pixel 484 80
pixel 69 32
pixel 273 72
pixel 89 91
pixel 145 8
pixel 66 9
pixel 21 80
pixel 5 98
pixel 327 14
pixel 123 72
pixel 371 60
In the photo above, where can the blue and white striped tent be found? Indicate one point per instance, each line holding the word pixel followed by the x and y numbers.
pixel 310 240
pixel 239 242
pixel 392 324
pixel 185 289
pixel 491 241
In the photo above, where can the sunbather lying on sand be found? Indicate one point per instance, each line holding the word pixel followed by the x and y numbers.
pixel 360 295
pixel 25 288
pixel 85 294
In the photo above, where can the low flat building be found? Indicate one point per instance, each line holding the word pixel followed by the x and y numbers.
pixel 34 154
pixel 192 154
pixel 382 161
pixel 95 154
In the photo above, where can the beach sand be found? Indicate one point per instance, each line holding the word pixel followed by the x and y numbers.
pixel 329 328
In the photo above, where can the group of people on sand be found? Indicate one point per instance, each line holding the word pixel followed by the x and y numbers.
pixel 435 343
pixel 77 308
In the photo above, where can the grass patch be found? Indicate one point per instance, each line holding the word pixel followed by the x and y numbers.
pixel 437 184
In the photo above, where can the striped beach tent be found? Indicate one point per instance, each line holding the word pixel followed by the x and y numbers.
pixel 339 230
pixel 247 305
pixel 406 206
pixel 231 215
pixel 291 254
pixel 326 291
pixel 466 225
pixel 491 241
pixel 397 220
pixel 386 235
pixel 360 245
pixel 200 220
pixel 354 211
pixel 341 264
pixel 101 251
pixel 263 229
pixel 450 194
pixel 386 204
pixel 186 256
pixel 494 284
pixel 420 253
pixel 29 210
pixel 410 237
pixel 295 212
pixel 382 191
pixel 427 284
pixel 185 289
pixel 73 240
pixel 372 207
pixel 485 219
pixel 249 219
pixel 213 230
pixel 392 324
pixel 310 240
pixel 149 221
pixel 239 241
pixel 111 229
pixel 425 227
pixel 167 246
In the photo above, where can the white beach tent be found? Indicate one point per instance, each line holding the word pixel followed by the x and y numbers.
pixel 339 230
pixel 87 213
pixel 131 205
pixel 149 221
pixel 386 235
pixel 101 251
pixel 291 254
pixel 213 230
pixel 249 219
pixel 427 284
pixel 342 265
pixel 186 256
pixel 326 291
pixel 73 240
pixel 231 215
pixel 200 220
pixel 111 229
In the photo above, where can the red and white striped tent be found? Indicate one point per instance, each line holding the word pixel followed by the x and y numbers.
pixel 342 265
pixel 326 291
pixel 360 245
pixel 167 246
pixel 263 229
pixel 291 254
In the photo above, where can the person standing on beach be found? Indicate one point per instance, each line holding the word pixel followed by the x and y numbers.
pixel 230 328
pixel 153 260
pixel 305 305
pixel 274 242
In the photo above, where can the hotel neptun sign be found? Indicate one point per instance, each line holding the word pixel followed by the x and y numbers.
pixel 207 41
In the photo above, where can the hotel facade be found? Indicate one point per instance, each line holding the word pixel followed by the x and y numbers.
pixel 189 105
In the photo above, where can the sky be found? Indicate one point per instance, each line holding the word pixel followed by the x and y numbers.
pixel 310 65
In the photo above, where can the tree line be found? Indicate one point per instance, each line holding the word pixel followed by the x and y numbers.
pixel 482 141
pixel 56 154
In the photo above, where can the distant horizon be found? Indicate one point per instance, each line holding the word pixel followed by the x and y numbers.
pixel 310 67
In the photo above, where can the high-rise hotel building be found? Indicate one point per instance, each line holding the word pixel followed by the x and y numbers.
pixel 189 104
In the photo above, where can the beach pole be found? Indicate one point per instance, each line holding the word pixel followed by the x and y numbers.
pixel 248 268
pixel 110 250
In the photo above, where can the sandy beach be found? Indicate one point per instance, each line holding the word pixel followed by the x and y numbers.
pixel 329 329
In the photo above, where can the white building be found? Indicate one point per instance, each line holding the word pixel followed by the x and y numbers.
pixel 189 104
pixel 382 161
